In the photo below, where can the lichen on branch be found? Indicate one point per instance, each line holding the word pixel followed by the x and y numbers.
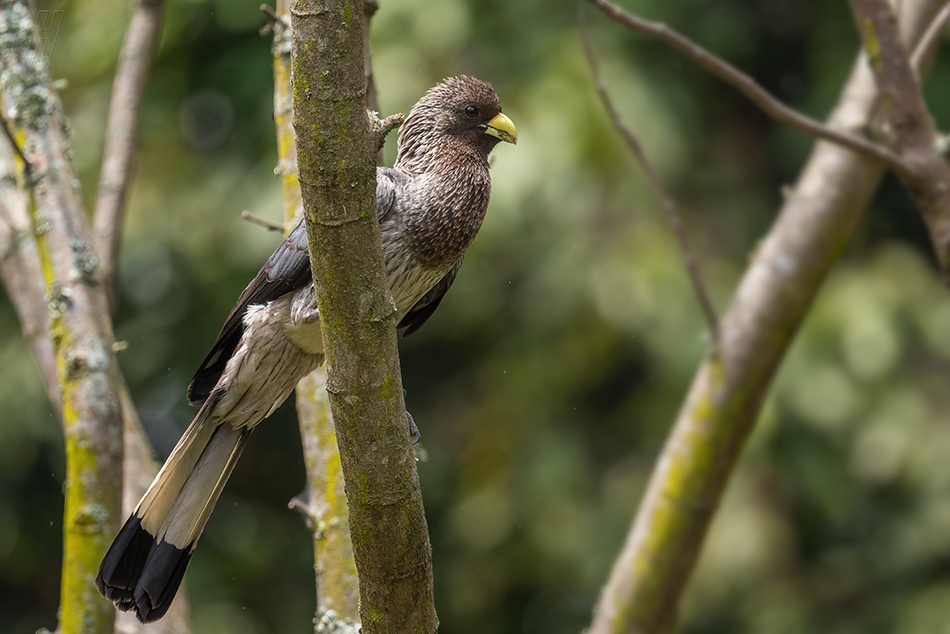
pixel 336 152
pixel 81 329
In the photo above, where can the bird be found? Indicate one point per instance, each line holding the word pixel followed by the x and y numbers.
pixel 430 205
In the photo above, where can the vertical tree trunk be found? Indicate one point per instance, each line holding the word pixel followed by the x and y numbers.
pixel 336 156
pixel 323 503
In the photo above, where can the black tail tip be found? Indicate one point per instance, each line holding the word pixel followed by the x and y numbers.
pixel 123 564
pixel 140 574
pixel 160 580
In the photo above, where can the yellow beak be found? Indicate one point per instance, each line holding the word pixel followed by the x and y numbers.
pixel 502 127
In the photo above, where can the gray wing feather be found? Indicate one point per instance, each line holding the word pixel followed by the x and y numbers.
pixel 389 187
pixel 285 271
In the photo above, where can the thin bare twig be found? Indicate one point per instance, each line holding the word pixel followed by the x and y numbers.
pixel 271 13
pixel 382 127
pixel 752 90
pixel 267 224
pixel 669 206
pixel 118 155
pixel 928 43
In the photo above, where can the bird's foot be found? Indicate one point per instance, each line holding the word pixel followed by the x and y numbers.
pixel 413 430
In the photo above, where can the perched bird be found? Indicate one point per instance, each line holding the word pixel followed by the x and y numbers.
pixel 430 205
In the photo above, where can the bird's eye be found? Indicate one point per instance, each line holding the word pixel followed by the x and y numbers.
pixel 471 111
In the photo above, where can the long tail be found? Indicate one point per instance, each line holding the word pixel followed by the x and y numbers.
pixel 146 562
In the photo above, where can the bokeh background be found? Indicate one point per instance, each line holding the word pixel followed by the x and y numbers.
pixel 546 382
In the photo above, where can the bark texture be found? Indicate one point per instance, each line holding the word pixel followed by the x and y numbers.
pixel 336 149
pixel 927 177
pixel 81 329
pixel 323 503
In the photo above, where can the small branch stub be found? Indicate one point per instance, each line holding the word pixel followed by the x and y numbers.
pixel 382 127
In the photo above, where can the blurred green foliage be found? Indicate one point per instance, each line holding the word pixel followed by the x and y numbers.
pixel 545 384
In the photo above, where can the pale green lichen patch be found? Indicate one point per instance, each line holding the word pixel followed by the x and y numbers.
pixel 16 23
pixel 84 257
pixel 57 302
pixel 25 75
pixel 328 622
pixel 283 42
pixel 91 514
pixel 26 79
pixel 101 397
pixel 42 222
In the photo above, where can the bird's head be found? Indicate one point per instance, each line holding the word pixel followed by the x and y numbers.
pixel 460 112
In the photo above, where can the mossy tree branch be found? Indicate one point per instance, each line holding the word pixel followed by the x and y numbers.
pixel 812 229
pixel 80 325
pixel 323 502
pixel 22 277
pixel 915 139
pixel 22 273
pixel 336 150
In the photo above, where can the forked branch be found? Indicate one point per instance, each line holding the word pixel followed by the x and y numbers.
pixel 750 88
pixel 917 143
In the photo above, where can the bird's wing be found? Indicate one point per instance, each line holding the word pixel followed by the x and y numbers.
pixel 286 270
pixel 424 308
pixel 390 185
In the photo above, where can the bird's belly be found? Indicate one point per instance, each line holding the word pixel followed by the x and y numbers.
pixel 273 355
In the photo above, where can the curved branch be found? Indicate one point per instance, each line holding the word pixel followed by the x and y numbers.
pixel 119 152
pixel 748 87
pixel 928 177
pixel 726 395
pixel 929 42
